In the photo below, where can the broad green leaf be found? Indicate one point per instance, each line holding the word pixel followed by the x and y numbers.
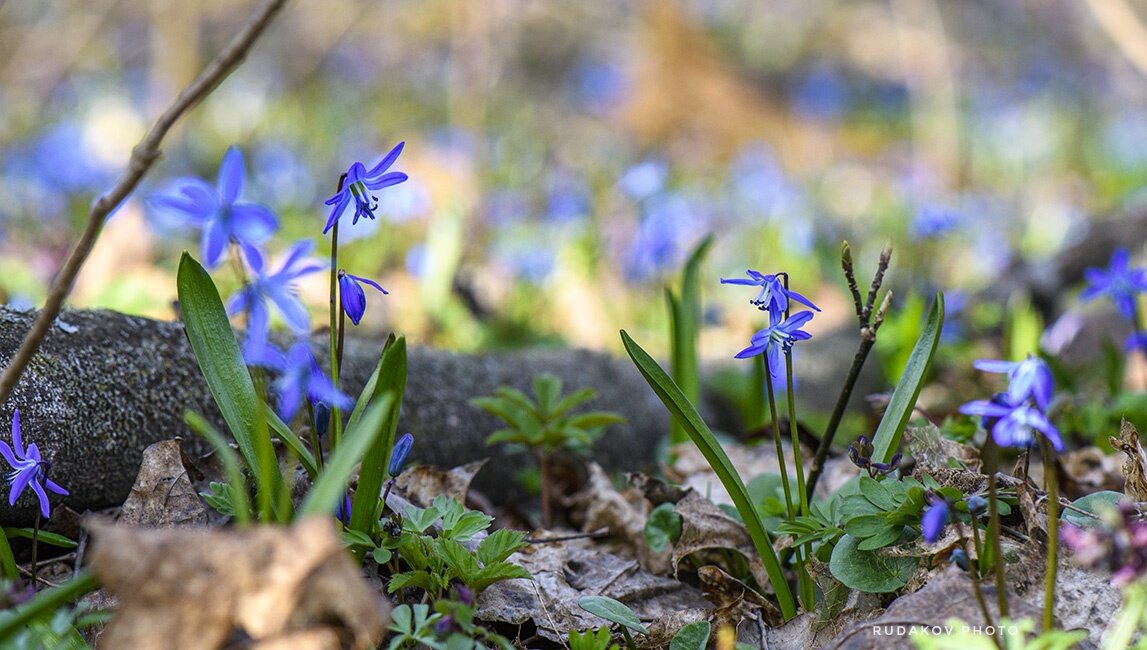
pixel 330 487
pixel 356 538
pixel 1095 503
pixel 866 525
pixel 869 571
pixel 217 352
pixel 391 382
pixel 612 610
pixel 878 493
pixel 886 536
pixel 500 545
pixel 694 636
pixel 686 414
pixel 887 437
pixel 663 527
pixel 368 389
pixel 505 436
pixel 467 525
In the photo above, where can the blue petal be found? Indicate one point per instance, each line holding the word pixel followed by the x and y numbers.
pixel 214 242
pixel 386 180
pixel 294 313
pixel 933 522
pixel 993 365
pixel 801 299
pixel 254 257
pixel 231 176
pixel 17 434
pixel 387 160
pixel 353 298
pixel 55 487
pixel 252 223
pixel 372 283
pixel 343 200
pixel 45 506
pixel 19 483
pixel 741 281
pixel 6 452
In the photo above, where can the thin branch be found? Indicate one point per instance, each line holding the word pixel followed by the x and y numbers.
pixel 1119 20
pixel 143 156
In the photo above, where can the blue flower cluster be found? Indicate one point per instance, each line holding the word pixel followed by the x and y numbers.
pixel 773 297
pixel 226 220
pixel 1015 416
pixel 1122 283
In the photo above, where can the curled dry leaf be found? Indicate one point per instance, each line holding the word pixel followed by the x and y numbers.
pixel 733 599
pixel 1135 465
pixel 706 527
pixel 605 507
pixel 163 496
pixel 196 589
pixel 422 483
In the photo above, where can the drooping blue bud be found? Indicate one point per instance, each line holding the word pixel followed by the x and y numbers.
pixel 322 419
pixel 977 504
pixel 398 456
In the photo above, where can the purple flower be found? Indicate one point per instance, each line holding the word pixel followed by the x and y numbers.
pixel 1015 425
pixel 218 212
pixel 773 296
pixel 358 184
pixel 935 517
pixel 1118 281
pixel 399 454
pixel 28 469
pixel 277 288
pixel 1027 379
pixel 303 378
pixel 352 297
pixel 777 337
pixel 343 510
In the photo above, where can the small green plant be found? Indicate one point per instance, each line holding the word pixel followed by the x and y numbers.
pixel 599 639
pixel 614 611
pixel 546 426
pixel 439 560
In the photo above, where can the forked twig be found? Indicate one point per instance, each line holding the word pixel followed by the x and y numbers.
pixel 143 156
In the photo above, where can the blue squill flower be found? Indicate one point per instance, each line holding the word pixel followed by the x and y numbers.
pixel 29 469
pixel 1014 425
pixel 935 517
pixel 773 296
pixel 399 454
pixel 777 337
pixel 302 378
pixel 1027 379
pixel 351 295
pixel 218 211
pixel 1118 281
pixel 276 288
pixel 359 183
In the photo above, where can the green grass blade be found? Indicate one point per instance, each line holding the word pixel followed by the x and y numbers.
pixel 685 319
pixel 8 567
pixel 331 484
pixel 686 415
pixel 43 604
pixel 887 438
pixel 368 389
pixel 391 381
pixel 231 464
pixel 217 351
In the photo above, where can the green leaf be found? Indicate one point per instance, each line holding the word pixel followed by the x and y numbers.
pixel 466 526
pixel 217 352
pixel 420 579
pixel 868 571
pixel 576 398
pixel 685 318
pixel 8 568
pixel 612 610
pixel 460 560
pixel 391 382
pixel 866 525
pixel 55 539
pixel 330 487
pixel 1095 503
pixel 877 493
pixel 594 419
pixel 381 555
pixel 418 520
pixel 886 536
pixel 237 495
pixel 694 636
pixel 886 440
pixel 547 387
pixel 357 538
pixel 662 528
pixel 500 545
pixel 505 436
pixel 498 572
pixel 686 415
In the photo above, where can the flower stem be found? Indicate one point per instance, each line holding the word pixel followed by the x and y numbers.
pixel 991 463
pixel 808 594
pixel 777 436
pixel 1052 533
pixel 335 427
pixel 974 573
pixel 544 477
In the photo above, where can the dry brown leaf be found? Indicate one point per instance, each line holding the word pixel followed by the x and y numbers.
pixel 1135 465
pixel 1089 470
pixel 932 450
pixel 733 599
pixel 422 483
pixel 705 527
pixel 605 507
pixel 196 589
pixel 163 496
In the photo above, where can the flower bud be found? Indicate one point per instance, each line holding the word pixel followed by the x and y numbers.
pixel 398 456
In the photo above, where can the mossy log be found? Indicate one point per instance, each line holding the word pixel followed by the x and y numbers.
pixel 105 385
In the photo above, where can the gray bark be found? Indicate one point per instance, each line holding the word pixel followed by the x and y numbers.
pixel 106 385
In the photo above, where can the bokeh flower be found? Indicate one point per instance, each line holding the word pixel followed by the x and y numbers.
pixel 1027 379
pixel 358 184
pixel 1118 281
pixel 352 297
pixel 1119 544
pixel 1015 425
pixel 776 338
pixel 302 378
pixel 935 517
pixel 218 211
pixel 277 288
pixel 29 469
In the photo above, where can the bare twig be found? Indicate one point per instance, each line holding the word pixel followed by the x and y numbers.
pixel 1119 20
pixel 143 156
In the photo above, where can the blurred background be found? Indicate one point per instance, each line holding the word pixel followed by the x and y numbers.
pixel 564 158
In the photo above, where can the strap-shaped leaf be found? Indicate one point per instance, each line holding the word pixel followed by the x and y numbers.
pixel 217 352
pixel 887 438
pixel 391 380
pixel 547 388
pixel 331 484
pixel 686 415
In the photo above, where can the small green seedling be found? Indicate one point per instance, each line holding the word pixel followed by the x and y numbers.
pixel 592 640
pixel 614 611
pixel 546 426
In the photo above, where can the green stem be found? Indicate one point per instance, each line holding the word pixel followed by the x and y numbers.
pixel 777 435
pixel 335 427
pixel 808 593
pixel 44 603
pixel 1052 533
pixel 991 463
pixel 974 573
pixel 264 451
pixel 8 567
